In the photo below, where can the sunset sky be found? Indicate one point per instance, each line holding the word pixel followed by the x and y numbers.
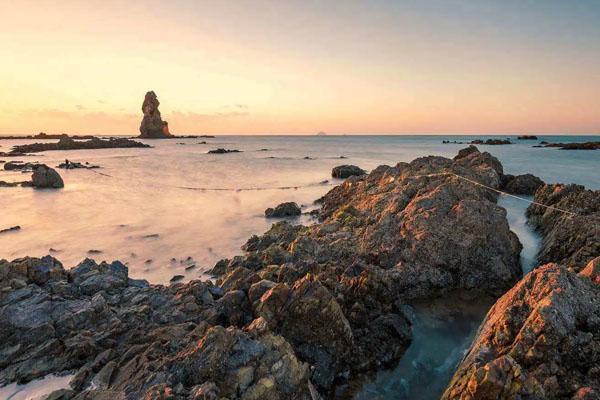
pixel 435 66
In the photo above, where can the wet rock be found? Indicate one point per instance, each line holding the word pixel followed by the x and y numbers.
pixel 289 209
pixel 346 171
pixel 19 165
pixel 540 340
pixel 525 184
pixel 46 177
pixel 152 125
pixel 570 227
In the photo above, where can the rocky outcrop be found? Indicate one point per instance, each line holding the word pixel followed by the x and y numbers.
pixel 46 177
pixel 526 184
pixel 128 339
pixel 67 143
pixel 152 126
pixel 289 209
pixel 574 146
pixel 223 151
pixel 570 227
pixel 527 137
pixel 491 142
pixel 346 171
pixel 541 340
pixel 76 165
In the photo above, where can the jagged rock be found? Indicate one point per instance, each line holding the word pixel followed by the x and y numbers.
pixel 290 209
pixel 569 238
pixel 346 171
pixel 541 340
pixel 525 184
pixel 152 126
pixel 46 177
pixel 527 137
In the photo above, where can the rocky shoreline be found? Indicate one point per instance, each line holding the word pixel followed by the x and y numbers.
pixel 307 310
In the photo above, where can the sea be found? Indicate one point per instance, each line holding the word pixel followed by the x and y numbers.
pixel 173 209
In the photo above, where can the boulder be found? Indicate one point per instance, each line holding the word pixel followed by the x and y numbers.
pixel 525 184
pixel 289 209
pixel 46 177
pixel 346 171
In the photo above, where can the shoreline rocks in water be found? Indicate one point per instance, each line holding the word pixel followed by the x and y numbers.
pixel 76 165
pixel 573 146
pixel 491 142
pixel 20 165
pixel 152 125
pixel 289 209
pixel 67 143
pixel 527 137
pixel 11 229
pixel 223 151
pixel 346 171
pixel 46 177
pixel 43 135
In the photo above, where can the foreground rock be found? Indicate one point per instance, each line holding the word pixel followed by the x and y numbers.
pixel 346 171
pixel 541 340
pixel 570 238
pixel 290 209
pixel 67 143
pixel 526 184
pixel 46 177
pixel 128 339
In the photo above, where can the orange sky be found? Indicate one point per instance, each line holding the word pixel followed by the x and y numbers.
pixel 436 66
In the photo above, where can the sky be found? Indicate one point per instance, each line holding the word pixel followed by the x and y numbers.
pixel 300 67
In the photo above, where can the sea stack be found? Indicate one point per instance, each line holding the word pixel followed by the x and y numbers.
pixel 152 126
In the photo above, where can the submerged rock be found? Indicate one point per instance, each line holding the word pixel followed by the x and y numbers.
pixel 289 209
pixel 152 125
pixel 346 171
pixel 46 177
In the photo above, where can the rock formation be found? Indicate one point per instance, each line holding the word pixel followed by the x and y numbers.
pixel 152 126
pixel 526 184
pixel 346 171
pixel 541 340
pixel 289 209
pixel 568 239
pixel 67 143
pixel 46 177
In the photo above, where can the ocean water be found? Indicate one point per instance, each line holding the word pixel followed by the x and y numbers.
pixel 172 206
